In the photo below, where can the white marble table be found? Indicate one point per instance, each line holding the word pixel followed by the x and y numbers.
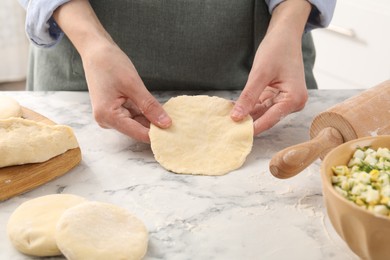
pixel 246 214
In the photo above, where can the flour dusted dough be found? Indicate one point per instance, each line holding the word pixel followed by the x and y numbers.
pixel 203 139
pixel 24 141
pixel 97 230
pixel 31 226
pixel 9 107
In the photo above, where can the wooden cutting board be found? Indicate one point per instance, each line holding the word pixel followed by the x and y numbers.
pixel 15 180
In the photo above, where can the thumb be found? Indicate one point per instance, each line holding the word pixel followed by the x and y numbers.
pixel 247 100
pixel 151 108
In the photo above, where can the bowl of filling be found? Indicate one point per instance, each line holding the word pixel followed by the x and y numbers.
pixel 356 188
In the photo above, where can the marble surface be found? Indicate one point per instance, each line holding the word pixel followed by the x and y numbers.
pixel 246 214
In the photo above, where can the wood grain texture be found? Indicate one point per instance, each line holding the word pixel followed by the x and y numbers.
pixel 365 114
pixel 292 160
pixel 15 180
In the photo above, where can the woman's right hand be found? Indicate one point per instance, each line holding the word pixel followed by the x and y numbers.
pixel 119 98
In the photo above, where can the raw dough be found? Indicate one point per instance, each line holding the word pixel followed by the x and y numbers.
pixel 97 230
pixel 9 107
pixel 203 139
pixel 31 226
pixel 24 141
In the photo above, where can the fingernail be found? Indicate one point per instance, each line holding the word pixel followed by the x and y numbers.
pixel 164 120
pixel 237 113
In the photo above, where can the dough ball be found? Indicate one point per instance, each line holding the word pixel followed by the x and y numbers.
pixel 203 139
pixel 32 225
pixel 9 107
pixel 25 141
pixel 97 230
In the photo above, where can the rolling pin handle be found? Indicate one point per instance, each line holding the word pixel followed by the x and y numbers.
pixel 292 160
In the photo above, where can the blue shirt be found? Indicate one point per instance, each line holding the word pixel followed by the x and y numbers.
pixel 43 31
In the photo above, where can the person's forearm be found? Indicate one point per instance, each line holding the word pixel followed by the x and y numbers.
pixel 79 22
pixel 291 15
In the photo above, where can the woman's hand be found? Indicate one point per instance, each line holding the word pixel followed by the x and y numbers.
pixel 119 98
pixel 276 84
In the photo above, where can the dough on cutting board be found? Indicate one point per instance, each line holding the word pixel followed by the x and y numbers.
pixel 32 225
pixel 9 107
pixel 203 139
pixel 24 141
pixel 97 230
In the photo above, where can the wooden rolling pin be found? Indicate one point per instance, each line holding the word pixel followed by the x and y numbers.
pixel 366 114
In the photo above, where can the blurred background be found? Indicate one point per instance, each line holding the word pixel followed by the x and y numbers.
pixel 353 52
pixel 13 46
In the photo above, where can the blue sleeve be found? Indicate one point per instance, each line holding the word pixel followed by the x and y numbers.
pixel 320 16
pixel 43 31
pixel 41 28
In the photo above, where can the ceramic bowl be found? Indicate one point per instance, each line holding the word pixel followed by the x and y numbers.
pixel 365 233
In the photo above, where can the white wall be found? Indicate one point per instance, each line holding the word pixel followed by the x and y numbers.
pixel 13 42
pixel 354 52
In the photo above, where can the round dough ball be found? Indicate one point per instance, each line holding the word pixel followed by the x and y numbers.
pixel 97 230
pixel 9 107
pixel 203 139
pixel 32 225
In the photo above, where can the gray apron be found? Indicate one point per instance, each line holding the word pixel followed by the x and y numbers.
pixel 174 45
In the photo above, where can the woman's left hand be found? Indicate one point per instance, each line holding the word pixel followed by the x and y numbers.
pixel 276 84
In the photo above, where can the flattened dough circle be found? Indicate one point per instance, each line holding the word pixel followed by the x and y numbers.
pixel 9 107
pixel 203 139
pixel 97 230
pixel 32 225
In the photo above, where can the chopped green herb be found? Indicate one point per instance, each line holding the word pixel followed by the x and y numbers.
pixel 366 179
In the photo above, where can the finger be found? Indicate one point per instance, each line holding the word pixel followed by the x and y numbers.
pixel 270 117
pixel 247 100
pixel 151 108
pixel 269 93
pixel 266 100
pixel 282 106
pixel 132 129
pixel 132 108
pixel 106 114
pixel 136 114
pixel 260 109
pixel 118 117
pixel 142 120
